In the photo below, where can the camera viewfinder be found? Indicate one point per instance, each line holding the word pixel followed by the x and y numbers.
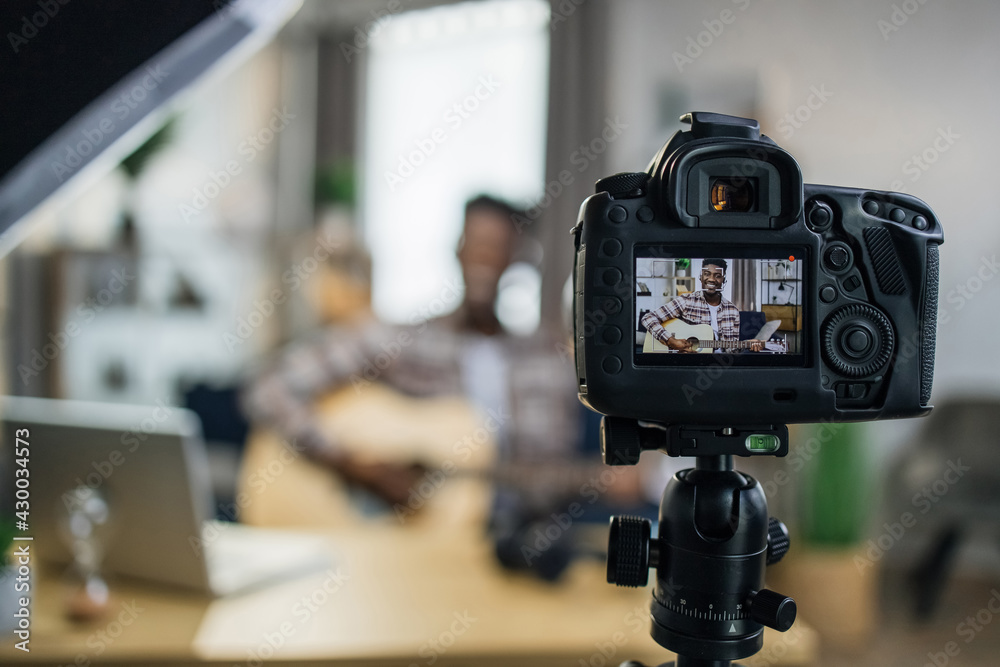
pixel 732 194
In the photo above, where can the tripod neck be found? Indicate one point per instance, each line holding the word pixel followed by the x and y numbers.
pixel 683 661
pixel 720 463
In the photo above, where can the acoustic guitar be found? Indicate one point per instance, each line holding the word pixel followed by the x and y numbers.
pixel 702 338
pixel 446 434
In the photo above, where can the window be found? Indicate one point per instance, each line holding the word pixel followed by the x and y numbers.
pixel 455 105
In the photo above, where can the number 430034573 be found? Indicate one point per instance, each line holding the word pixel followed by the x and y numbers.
pixel 21 455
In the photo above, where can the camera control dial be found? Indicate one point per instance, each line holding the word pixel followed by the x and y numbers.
pixel 857 340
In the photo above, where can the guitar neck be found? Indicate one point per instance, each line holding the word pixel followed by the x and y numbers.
pixel 726 344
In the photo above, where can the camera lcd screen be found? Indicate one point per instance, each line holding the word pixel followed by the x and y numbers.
pixel 737 306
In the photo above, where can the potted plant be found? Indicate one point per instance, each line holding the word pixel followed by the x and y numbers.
pixel 683 267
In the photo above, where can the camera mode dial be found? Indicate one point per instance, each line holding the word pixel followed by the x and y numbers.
pixel 624 185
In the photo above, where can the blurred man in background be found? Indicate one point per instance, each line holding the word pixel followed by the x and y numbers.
pixel 522 381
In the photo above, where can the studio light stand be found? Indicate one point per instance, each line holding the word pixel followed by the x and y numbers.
pixel 715 539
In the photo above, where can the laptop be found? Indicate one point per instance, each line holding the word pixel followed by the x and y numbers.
pixel 150 465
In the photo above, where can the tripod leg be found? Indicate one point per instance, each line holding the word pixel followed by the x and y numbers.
pixel 930 577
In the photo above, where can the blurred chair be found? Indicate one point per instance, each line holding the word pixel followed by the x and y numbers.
pixel 949 480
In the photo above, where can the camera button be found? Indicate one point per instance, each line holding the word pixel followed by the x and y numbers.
pixel 920 222
pixel 611 277
pixel 611 365
pixel 610 305
pixel 617 214
pixel 852 283
pixel 828 294
pixel 852 390
pixel 870 206
pixel 897 215
pixel 820 216
pixel 611 247
pixel 611 335
pixel 857 342
pixel 645 214
pixel 837 257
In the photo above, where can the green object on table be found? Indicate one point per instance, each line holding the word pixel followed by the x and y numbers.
pixel 836 490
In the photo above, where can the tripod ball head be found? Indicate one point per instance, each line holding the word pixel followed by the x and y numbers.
pixel 715 539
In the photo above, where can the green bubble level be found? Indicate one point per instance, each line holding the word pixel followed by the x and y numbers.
pixel 762 443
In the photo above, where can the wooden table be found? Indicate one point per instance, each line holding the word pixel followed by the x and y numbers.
pixel 392 598
pixel 420 592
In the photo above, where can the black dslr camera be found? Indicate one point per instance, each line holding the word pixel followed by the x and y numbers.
pixel 718 299
pixel 842 282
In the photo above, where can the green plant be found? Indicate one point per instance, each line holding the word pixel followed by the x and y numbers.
pixel 6 539
pixel 335 183
pixel 683 263
pixel 134 163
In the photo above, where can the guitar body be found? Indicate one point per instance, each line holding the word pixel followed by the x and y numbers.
pixel 377 424
pixel 682 330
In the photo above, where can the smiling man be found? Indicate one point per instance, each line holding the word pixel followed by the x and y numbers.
pixel 706 306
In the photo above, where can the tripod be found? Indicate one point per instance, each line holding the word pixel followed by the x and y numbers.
pixel 715 539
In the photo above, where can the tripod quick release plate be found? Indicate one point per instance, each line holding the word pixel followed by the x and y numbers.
pixel 623 440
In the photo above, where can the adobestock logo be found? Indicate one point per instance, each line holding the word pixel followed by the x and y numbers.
pixel 581 158
pixel 697 44
pixel 899 17
pixel 92 138
pixel 363 34
pixel 250 148
pixel 87 311
pixel 803 113
pixel 923 501
pixel 454 117
pixel 920 163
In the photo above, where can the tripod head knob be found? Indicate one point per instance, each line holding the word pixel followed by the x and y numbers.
pixel 777 540
pixel 773 609
pixel 628 551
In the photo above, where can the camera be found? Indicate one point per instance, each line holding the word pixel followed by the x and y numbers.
pixel 716 288
pixel 718 298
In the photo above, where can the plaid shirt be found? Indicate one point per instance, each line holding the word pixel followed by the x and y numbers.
pixel 533 382
pixel 693 308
